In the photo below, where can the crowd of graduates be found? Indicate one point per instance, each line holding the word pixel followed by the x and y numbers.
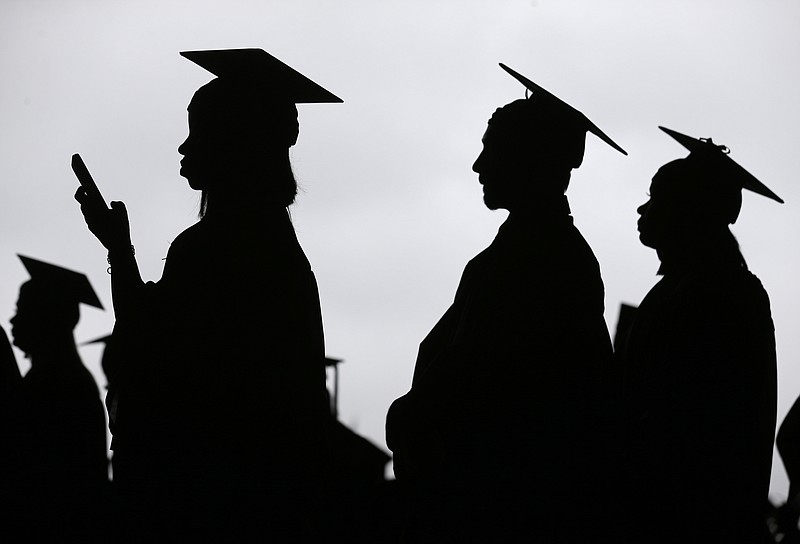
pixel 522 423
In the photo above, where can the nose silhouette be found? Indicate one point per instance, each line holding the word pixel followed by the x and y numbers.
pixel 476 165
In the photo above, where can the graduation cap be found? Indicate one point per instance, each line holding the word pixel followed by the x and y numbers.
pixel 68 285
pixel 570 115
pixel 716 156
pixel 100 340
pixel 257 69
pixel 333 363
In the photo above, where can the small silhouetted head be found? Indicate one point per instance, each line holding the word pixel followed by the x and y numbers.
pixel 695 198
pixel 48 304
pixel 242 123
pixel 531 146
pixel 106 359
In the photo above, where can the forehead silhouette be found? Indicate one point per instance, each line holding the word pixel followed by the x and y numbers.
pixel 695 189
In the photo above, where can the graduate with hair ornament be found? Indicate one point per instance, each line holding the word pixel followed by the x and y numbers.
pixel 699 363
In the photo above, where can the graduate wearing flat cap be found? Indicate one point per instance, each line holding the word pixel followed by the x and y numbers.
pixel 492 441
pixel 699 363
pixel 221 403
pixel 54 460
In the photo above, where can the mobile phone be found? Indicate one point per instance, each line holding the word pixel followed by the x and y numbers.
pixel 86 181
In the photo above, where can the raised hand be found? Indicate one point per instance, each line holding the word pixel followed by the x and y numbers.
pixel 110 226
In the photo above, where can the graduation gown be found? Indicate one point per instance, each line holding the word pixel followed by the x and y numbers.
pixel 221 381
pixel 700 395
pixel 493 438
pixel 55 468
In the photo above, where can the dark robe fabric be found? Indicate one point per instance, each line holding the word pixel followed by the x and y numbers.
pixel 55 468
pixel 700 399
pixel 220 385
pixel 783 519
pixel 9 371
pixel 494 438
pixel 788 444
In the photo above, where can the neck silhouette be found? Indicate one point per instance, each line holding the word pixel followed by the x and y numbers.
pixel 700 249
pixel 59 350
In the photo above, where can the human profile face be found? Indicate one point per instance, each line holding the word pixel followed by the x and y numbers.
pixel 498 172
pixel 662 219
pixel 228 146
pixel 643 225
pixel 201 164
pixel 23 324
pixel 42 315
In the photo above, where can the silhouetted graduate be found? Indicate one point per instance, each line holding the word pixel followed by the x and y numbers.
pixel 219 430
pixel 54 449
pixel 493 440
pixel 700 377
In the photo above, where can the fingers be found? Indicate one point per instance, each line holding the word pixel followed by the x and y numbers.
pixel 80 195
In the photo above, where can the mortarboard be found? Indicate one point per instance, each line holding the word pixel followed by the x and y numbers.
pixel 100 340
pixel 330 361
pixel 731 171
pixel 576 116
pixel 255 68
pixel 334 400
pixel 67 283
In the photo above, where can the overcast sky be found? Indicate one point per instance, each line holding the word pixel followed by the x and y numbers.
pixel 390 210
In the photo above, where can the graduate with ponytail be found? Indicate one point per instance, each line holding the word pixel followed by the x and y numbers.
pixel 220 376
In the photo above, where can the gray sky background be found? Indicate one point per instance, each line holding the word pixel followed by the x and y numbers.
pixel 390 210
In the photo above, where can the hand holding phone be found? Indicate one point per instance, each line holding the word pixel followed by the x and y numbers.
pixel 86 181
pixel 109 225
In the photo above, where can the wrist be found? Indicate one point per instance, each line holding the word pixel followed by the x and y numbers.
pixel 118 253
pixel 122 249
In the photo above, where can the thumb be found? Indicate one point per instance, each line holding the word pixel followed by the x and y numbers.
pixel 119 208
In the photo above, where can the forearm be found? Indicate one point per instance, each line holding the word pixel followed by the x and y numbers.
pixel 126 281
